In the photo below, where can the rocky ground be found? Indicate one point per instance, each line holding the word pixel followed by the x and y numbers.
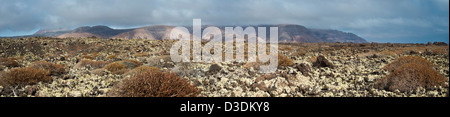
pixel 354 71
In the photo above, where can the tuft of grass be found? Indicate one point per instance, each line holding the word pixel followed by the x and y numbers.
pixel 116 67
pixel 141 54
pixel 24 76
pixel 409 77
pixel 8 62
pixel 88 57
pixel 133 61
pixel 406 59
pixel 53 69
pixel 284 61
pixel 154 84
pixel 111 57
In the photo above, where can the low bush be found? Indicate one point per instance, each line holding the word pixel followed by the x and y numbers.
pixel 88 57
pixel 284 61
pixel 53 69
pixel 115 67
pixel 141 54
pixel 411 76
pixel 24 76
pixel 111 57
pixel 133 61
pixel 154 84
pixel 8 62
pixel 406 59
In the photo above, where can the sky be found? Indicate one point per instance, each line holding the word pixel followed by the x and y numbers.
pixel 396 21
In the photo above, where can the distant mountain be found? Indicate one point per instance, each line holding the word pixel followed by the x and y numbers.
pixel 98 31
pixel 51 32
pixel 149 32
pixel 286 33
pixel 337 36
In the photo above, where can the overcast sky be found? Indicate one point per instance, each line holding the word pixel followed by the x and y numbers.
pixel 374 20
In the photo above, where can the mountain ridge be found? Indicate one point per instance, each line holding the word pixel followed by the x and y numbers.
pixel 286 32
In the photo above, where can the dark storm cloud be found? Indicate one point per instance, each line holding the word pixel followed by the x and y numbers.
pixel 374 20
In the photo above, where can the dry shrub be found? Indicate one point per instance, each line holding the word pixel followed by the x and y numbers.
pixel 440 50
pixel 93 64
pixel 141 54
pixel 312 59
pixel 24 76
pixel 286 48
pixel 284 61
pixel 409 77
pixel 111 57
pixel 406 59
pixel 133 61
pixel 154 84
pixel 388 53
pixel 142 69
pixel 116 67
pixel 299 53
pixel 88 57
pixel 7 62
pixel 94 54
pixel 53 69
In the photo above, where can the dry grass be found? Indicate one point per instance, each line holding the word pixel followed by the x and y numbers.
pixel 9 62
pixel 116 67
pixel 87 57
pixel 53 69
pixel 154 84
pixel 111 57
pixel 284 61
pixel 440 50
pixel 406 59
pixel 388 53
pixel 24 76
pixel 409 77
pixel 299 53
pixel 141 54
pixel 133 61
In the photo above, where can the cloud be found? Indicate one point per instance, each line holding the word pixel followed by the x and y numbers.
pixel 372 19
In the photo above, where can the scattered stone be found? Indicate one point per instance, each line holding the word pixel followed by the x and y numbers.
pixel 213 69
pixel 304 68
pixel 322 62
